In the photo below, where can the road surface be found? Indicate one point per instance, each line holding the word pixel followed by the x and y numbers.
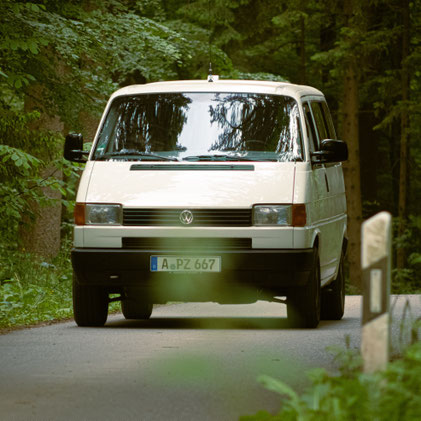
pixel 189 362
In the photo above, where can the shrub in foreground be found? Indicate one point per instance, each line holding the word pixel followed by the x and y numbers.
pixel 393 394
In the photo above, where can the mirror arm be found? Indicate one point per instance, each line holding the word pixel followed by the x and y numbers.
pixel 86 153
pixel 323 156
pixel 83 154
pixel 319 153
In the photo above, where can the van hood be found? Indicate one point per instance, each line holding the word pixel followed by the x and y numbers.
pixel 205 184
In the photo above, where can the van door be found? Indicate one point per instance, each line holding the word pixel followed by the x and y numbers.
pixel 318 205
pixel 331 220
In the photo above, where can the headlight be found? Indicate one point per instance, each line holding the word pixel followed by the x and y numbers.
pixel 272 215
pixel 95 214
pixel 280 215
pixel 103 214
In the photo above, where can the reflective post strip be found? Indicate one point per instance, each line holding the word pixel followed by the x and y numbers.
pixel 376 265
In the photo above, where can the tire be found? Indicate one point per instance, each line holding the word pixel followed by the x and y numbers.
pixel 333 296
pixel 304 304
pixel 134 309
pixel 90 304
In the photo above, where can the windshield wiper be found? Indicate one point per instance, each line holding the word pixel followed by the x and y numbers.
pixel 224 158
pixel 216 158
pixel 147 155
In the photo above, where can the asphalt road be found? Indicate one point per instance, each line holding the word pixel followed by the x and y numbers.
pixel 189 362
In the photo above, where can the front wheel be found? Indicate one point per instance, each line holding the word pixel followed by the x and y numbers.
pixel 90 304
pixel 303 304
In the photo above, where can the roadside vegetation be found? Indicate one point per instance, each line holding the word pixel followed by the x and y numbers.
pixel 33 290
pixel 391 395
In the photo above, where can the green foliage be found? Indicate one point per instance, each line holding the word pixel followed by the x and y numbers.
pixel 408 279
pixel 217 17
pixel 259 76
pixel 29 167
pixel 197 53
pixel 22 170
pixel 32 291
pixel 353 395
pixel 80 54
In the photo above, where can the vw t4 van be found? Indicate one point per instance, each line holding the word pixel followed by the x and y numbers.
pixel 223 190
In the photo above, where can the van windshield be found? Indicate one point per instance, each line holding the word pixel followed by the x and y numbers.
pixel 201 126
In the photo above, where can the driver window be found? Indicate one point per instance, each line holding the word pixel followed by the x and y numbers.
pixel 328 121
pixel 319 120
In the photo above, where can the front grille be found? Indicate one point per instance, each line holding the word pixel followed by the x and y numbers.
pixel 201 217
pixel 192 244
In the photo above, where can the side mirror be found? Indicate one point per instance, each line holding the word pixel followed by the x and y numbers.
pixel 331 150
pixel 73 148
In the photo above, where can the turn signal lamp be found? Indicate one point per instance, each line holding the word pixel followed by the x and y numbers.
pixel 79 213
pixel 299 215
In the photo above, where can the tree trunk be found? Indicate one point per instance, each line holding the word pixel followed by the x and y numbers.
pixel 352 173
pixel 42 235
pixel 369 141
pixel 403 162
pixel 327 42
pixel 350 128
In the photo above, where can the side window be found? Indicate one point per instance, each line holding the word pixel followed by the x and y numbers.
pixel 314 145
pixel 322 130
pixel 300 143
pixel 328 121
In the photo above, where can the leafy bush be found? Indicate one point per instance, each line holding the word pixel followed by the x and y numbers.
pixel 23 157
pixel 32 291
pixel 353 395
pixel 408 279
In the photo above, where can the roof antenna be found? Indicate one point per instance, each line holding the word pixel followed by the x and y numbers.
pixel 211 77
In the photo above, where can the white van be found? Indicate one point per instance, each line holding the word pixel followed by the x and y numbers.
pixel 223 190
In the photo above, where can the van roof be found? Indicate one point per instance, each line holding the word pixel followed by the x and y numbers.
pixel 221 85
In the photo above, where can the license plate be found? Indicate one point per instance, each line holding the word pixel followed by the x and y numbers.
pixel 185 264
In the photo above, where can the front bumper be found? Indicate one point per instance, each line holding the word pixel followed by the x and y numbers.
pixel 271 272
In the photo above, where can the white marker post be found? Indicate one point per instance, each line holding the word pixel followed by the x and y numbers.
pixel 376 265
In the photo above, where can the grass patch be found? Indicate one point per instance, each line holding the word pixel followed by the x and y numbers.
pixel 33 290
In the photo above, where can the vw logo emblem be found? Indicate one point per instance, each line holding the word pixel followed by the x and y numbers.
pixel 186 217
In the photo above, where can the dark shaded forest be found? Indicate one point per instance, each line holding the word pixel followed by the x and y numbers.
pixel 61 59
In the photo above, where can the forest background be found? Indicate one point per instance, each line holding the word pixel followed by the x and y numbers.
pixel 61 59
